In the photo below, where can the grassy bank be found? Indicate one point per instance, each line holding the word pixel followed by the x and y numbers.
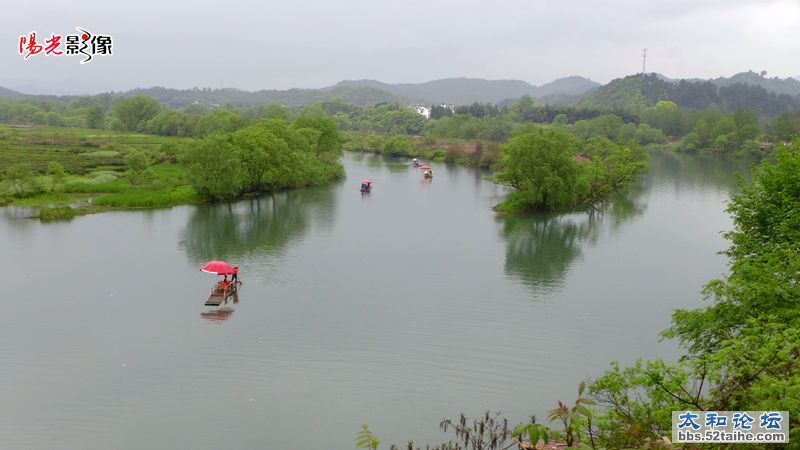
pixel 96 177
pixel 63 172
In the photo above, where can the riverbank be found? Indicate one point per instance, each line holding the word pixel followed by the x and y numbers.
pixel 60 173
pixel 471 152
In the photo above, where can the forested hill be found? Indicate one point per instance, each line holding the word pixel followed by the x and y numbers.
pixel 636 92
pixel 9 94
pixel 177 98
pixel 790 86
pixel 464 91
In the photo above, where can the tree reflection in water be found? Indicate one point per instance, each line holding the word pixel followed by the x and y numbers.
pixel 256 228
pixel 541 248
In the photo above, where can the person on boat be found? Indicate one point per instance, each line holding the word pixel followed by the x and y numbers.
pixel 235 275
pixel 364 186
pixel 224 283
pixel 415 162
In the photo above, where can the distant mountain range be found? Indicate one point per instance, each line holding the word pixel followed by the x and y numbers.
pixel 464 91
pixel 457 91
pixel 177 98
pixel 767 95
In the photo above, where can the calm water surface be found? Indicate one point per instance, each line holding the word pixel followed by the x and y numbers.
pixel 396 308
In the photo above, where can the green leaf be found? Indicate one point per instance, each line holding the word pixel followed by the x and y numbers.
pixel 533 436
pixel 519 430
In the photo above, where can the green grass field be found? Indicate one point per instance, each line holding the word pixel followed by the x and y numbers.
pixel 97 177
pixel 79 150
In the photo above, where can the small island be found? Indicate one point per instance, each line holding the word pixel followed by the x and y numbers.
pixel 550 169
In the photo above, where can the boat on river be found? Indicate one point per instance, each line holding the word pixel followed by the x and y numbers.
pixel 223 287
pixel 366 185
pixel 428 173
pixel 222 291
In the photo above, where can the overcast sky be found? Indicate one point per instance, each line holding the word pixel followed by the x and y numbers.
pixel 314 43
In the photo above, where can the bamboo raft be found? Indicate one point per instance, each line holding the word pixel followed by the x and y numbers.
pixel 219 296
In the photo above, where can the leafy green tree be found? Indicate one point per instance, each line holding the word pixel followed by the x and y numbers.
pixel 21 178
pixel 132 113
pixel 138 164
pixel 168 123
pixel 274 112
pixel 262 155
pixel 667 117
pixel 785 127
pixel 329 140
pixel 398 146
pixel 540 167
pixel 746 125
pixel 220 120
pixel 439 111
pixel 214 169
pixel 525 109
pixel 743 351
pixel 57 174
pixel 95 118
pixel 560 120
pixel 612 166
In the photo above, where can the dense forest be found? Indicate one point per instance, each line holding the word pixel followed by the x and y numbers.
pixel 637 92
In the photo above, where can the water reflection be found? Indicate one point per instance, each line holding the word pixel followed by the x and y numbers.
pixel 696 171
pixel 260 226
pixel 218 315
pixel 541 248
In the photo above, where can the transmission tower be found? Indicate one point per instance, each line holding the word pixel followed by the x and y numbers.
pixel 644 60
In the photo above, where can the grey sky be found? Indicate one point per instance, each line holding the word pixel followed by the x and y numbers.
pixel 313 43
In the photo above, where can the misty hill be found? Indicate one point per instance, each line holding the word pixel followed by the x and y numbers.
pixel 570 86
pixel 9 94
pixel 177 98
pixel 464 91
pixel 777 85
pixel 636 92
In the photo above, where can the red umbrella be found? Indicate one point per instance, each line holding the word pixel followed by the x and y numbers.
pixel 367 180
pixel 217 267
pixel 424 167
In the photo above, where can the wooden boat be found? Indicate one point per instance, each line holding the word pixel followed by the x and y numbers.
pixel 219 295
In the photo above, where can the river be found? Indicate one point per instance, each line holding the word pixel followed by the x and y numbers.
pixel 396 308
